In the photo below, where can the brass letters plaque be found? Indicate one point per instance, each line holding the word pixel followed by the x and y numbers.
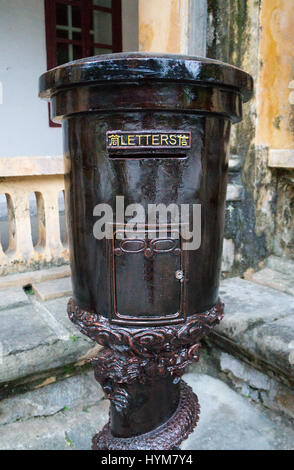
pixel 122 140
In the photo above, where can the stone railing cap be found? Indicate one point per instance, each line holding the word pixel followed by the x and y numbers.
pixel 145 66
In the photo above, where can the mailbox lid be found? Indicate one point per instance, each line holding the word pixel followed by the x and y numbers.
pixel 123 67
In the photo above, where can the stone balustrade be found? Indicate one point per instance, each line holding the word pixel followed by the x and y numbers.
pixel 19 178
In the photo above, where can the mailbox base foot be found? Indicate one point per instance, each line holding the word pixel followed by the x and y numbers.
pixel 165 437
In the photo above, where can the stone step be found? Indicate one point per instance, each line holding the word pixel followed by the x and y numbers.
pixel 244 376
pixel 277 273
pixel 13 297
pixel 67 414
pixel 52 289
pixel 229 421
pixel 258 328
pixel 65 430
pixel 235 163
pixel 260 320
pixel 252 383
pixel 38 343
pixel 281 265
pixel 29 277
pixel 270 278
pixel 48 400
pixel 234 192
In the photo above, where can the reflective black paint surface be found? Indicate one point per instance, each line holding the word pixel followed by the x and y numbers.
pixel 136 284
pixel 94 178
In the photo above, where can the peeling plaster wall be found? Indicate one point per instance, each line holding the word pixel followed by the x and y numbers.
pixel 233 37
pixel 275 107
pixel 257 36
pixel 275 126
pixel 284 236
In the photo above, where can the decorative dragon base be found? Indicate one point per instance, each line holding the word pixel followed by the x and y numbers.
pixel 166 436
pixel 140 372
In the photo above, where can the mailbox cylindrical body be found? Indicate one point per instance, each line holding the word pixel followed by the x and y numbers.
pixel 146 136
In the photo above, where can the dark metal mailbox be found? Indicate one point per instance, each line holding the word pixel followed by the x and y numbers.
pixel 143 130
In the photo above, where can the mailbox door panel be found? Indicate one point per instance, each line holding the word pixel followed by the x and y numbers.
pixel 146 279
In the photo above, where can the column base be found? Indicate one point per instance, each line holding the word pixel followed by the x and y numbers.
pixel 165 437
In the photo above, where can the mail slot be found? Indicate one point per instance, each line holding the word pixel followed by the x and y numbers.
pixel 146 147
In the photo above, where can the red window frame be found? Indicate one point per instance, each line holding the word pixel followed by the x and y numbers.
pixel 86 10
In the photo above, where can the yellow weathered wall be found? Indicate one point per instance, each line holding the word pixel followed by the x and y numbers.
pixel 163 26
pixel 275 124
pixel 257 36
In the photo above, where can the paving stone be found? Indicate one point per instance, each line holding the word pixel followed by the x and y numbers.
pixel 12 298
pixel 229 421
pixel 52 289
pixel 73 391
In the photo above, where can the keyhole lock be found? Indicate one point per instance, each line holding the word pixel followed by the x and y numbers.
pixel 179 275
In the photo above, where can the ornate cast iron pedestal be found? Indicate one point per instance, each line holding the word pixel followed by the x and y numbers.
pixel 154 129
pixel 140 371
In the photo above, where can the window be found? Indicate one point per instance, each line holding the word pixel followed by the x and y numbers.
pixel 81 28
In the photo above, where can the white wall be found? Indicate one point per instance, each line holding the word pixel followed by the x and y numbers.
pixel 130 25
pixel 197 28
pixel 24 128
